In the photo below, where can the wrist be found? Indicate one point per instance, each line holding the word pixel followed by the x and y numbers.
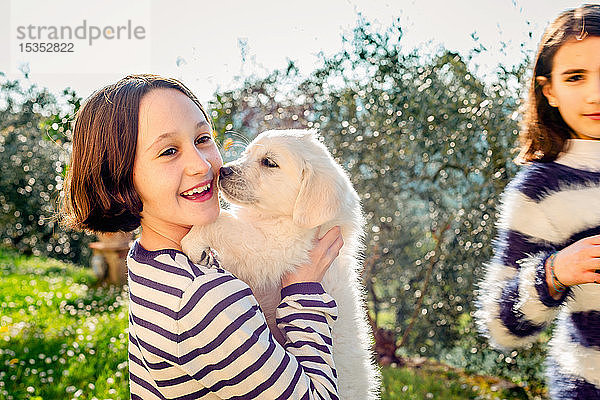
pixel 299 276
pixel 555 287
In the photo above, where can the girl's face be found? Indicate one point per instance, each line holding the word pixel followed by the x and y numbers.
pixel 575 86
pixel 176 164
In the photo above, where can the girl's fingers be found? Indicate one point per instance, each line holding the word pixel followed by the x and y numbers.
pixel 594 252
pixel 318 233
pixel 588 277
pixel 592 246
pixel 593 263
pixel 329 238
pixel 324 251
pixel 327 248
pixel 337 245
pixel 333 251
pixel 595 240
pixel 332 233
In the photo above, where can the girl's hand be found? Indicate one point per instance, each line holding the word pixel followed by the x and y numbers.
pixel 576 264
pixel 322 255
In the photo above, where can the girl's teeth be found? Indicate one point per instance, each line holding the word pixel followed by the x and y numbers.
pixel 196 190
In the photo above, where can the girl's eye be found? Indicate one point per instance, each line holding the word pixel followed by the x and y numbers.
pixel 269 163
pixel 574 78
pixel 168 152
pixel 200 140
pixel 203 139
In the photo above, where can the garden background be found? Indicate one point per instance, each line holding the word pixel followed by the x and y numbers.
pixel 429 145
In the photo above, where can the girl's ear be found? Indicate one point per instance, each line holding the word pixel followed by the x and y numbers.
pixel 547 90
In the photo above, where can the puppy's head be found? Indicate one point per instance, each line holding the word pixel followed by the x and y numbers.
pixel 288 172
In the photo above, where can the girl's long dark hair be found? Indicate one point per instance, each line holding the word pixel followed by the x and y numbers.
pixel 544 132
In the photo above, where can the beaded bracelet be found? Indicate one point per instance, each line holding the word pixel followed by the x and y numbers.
pixel 561 286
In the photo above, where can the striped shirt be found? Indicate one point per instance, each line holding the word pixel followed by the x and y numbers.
pixel 197 332
pixel 546 208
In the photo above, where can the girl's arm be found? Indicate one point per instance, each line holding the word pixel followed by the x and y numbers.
pixel 231 351
pixel 514 301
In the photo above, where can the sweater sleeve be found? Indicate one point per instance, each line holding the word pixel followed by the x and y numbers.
pixel 514 304
pixel 226 345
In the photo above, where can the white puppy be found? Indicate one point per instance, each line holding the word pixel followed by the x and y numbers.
pixel 283 187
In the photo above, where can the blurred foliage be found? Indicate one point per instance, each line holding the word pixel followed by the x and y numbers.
pixel 34 151
pixel 57 126
pixel 429 147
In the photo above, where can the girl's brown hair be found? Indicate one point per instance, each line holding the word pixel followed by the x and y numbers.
pixel 99 195
pixel 544 132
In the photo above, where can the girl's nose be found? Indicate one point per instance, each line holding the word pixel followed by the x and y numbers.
pixel 594 92
pixel 197 163
pixel 594 98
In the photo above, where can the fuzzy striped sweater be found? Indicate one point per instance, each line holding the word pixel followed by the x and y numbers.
pixel 547 207
pixel 197 332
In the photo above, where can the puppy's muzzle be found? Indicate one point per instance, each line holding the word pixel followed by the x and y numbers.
pixel 225 172
pixel 234 186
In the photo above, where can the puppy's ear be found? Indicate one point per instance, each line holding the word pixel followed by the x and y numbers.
pixel 319 199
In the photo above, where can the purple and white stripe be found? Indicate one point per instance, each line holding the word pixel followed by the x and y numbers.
pixel 197 332
pixel 547 207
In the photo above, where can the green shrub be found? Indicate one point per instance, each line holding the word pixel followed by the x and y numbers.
pixel 32 167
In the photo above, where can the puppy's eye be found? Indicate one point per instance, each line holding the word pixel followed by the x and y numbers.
pixel 267 162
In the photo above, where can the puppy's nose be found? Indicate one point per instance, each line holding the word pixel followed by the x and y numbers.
pixel 225 172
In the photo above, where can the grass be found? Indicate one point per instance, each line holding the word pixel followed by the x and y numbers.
pixel 432 380
pixel 64 337
pixel 60 336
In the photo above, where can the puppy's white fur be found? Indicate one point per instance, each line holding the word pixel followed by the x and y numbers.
pixel 275 215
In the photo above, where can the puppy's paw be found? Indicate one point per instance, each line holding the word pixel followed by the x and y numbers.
pixel 208 258
pixel 194 245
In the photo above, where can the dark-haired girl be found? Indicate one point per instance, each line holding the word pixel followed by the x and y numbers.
pixel 144 154
pixel 546 264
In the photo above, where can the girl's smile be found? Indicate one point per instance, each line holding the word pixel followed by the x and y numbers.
pixel 593 116
pixel 201 192
pixel 176 168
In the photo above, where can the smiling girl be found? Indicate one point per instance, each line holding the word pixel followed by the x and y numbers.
pixel 547 255
pixel 144 154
